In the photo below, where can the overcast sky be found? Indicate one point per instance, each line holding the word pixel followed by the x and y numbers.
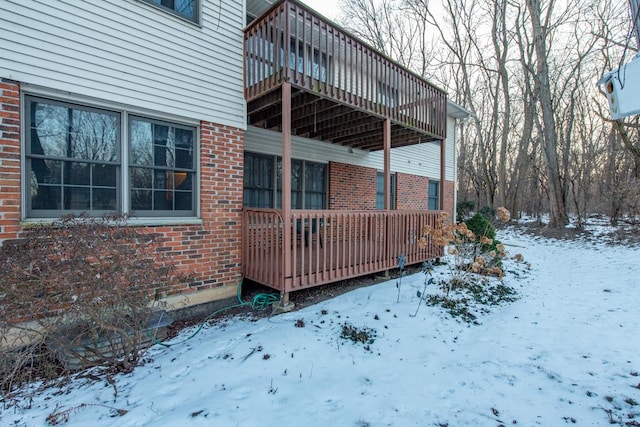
pixel 328 8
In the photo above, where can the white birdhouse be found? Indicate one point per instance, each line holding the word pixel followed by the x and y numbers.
pixel 622 88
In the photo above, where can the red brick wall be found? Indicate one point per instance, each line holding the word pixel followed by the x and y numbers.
pixel 448 193
pixel 354 187
pixel 412 192
pixel 351 187
pixel 9 160
pixel 211 250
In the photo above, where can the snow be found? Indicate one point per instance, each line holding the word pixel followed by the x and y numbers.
pixel 566 352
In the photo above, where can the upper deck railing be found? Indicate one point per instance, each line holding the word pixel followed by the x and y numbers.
pixel 292 43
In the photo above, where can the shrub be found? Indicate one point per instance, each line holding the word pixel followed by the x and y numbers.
pixel 485 237
pixel 472 245
pixel 481 226
pixel 474 254
pixel 81 287
pixel 487 211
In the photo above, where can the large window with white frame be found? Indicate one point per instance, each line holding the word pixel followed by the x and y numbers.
pixel 78 159
pixel 263 182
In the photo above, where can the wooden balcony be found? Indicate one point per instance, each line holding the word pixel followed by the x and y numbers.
pixel 305 76
pixel 328 246
pixel 342 89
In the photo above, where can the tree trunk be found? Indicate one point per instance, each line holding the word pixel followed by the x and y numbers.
pixel 501 46
pixel 557 199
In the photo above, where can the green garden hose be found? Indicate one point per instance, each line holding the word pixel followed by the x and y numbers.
pixel 260 301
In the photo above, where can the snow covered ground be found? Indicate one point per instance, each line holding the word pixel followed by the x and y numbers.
pixel 566 352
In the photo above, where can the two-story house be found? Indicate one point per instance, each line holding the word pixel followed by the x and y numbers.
pixel 263 141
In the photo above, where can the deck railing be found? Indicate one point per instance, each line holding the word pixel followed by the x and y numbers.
pixel 291 43
pixel 328 246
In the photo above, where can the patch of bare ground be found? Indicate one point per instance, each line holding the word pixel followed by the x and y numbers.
pixel 302 298
pixel 564 233
pixel 306 297
pixel 625 233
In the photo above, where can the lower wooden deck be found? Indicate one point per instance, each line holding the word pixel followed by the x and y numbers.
pixel 329 246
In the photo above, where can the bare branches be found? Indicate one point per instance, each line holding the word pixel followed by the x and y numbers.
pixel 536 141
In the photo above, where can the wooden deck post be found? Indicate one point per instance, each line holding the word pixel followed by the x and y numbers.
pixel 443 175
pixel 386 128
pixel 286 188
pixel 387 163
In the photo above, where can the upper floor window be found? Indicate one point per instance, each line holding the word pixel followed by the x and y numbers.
pixel 78 160
pixel 380 191
pixel 311 62
pixel 387 95
pixel 264 58
pixel 187 9
pixel 434 195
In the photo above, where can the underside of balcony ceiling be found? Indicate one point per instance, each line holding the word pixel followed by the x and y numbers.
pixel 315 117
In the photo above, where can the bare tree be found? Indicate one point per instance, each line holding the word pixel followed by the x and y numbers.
pixel 557 197
pixel 527 70
pixel 379 22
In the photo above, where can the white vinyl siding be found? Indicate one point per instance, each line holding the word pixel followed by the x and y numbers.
pixel 129 52
pixel 187 9
pixel 421 159
pixel 451 150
